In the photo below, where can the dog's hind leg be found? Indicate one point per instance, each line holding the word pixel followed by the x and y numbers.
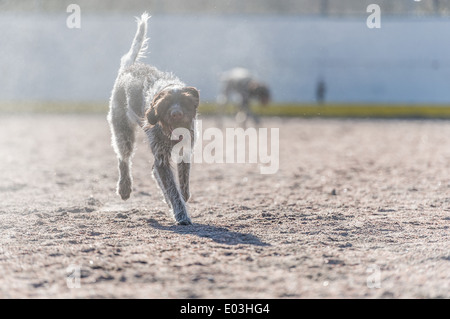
pixel 123 140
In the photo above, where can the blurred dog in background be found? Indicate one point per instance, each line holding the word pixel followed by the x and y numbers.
pixel 240 86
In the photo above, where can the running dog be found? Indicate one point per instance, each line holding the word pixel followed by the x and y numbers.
pixel 159 103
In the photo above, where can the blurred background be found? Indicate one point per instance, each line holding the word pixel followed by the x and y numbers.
pixel 294 46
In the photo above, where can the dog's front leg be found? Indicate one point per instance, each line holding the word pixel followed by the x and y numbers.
pixel 183 177
pixel 163 174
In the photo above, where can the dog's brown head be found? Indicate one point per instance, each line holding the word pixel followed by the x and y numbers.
pixel 174 108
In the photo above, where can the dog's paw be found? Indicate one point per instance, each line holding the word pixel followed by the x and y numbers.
pixel 184 222
pixel 182 218
pixel 124 195
pixel 124 190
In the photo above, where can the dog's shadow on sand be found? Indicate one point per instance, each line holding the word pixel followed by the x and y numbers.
pixel 220 235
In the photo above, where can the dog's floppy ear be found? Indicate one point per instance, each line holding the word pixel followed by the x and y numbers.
pixel 152 112
pixel 152 118
pixel 193 93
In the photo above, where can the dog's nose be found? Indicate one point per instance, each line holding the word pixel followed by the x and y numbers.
pixel 176 115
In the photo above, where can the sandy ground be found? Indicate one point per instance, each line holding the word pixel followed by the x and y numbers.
pixel 358 209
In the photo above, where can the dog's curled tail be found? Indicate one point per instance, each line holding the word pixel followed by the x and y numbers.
pixel 139 45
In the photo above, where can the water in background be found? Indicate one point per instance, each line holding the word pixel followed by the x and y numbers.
pixel 407 60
